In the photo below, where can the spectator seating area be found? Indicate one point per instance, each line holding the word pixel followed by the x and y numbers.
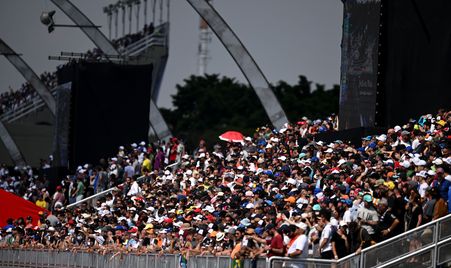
pixel 276 193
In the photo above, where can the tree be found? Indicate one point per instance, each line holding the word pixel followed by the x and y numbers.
pixel 206 106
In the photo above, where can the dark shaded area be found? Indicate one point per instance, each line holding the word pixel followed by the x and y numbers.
pixel 110 107
pixel 416 59
pixel 350 136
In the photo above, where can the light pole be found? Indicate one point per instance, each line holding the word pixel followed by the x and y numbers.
pixel 47 19
pixel 123 6
pixel 108 11
pixel 130 5
pixel 161 12
pixel 145 12
pixel 137 4
pixel 116 15
pixel 154 5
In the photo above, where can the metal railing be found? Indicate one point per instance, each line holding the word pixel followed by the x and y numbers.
pixel 426 246
pixel 54 258
pixel 33 104
pixel 158 37
pixel 112 188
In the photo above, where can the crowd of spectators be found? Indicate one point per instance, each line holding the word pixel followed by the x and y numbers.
pixel 277 193
pixel 12 99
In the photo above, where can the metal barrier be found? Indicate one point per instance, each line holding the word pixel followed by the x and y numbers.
pixel 420 245
pixel 158 37
pixel 426 246
pixel 46 258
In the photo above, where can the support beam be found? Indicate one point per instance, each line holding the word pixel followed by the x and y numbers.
pixel 96 36
pixel 243 59
pixel 158 124
pixel 29 75
pixel 11 146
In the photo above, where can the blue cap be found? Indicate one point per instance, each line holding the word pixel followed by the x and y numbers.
pixel 259 230
pixel 367 138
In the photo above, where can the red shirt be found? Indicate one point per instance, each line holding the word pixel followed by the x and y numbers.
pixel 276 243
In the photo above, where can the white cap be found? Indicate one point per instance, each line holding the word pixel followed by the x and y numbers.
pixel 301 225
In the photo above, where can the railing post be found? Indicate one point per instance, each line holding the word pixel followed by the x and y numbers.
pixel 362 259
pixel 436 239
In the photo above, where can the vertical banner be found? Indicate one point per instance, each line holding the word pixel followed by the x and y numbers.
pixel 359 63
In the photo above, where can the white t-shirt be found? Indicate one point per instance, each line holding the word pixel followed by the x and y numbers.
pixel 300 243
pixel 326 234
pixel 422 189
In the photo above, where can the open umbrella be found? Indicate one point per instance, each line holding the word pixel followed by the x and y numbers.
pixel 232 136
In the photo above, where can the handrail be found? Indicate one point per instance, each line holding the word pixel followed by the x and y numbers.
pixel 156 32
pixel 98 194
pixel 411 254
pixel 395 238
pixel 143 44
pixel 136 52
pixel 25 108
pixel 110 189
pixel 406 233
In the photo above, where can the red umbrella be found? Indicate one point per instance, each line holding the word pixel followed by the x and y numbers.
pixel 232 136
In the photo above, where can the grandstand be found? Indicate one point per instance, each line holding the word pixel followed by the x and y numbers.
pixel 287 196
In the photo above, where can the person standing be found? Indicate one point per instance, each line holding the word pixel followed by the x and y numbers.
pixel 388 225
pixel 340 243
pixel 325 245
pixel 276 247
pixel 367 215
pixel 298 245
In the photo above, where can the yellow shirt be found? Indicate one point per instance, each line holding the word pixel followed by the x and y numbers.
pixel 146 164
pixel 41 204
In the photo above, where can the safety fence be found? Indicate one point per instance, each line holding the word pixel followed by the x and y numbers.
pixel 53 258
pixel 425 246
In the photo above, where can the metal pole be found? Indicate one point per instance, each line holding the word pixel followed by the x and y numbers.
pixel 130 17
pixel 436 239
pixel 110 18
pixel 137 15
pixel 123 18
pixel 168 5
pixel 161 12
pixel 116 15
pixel 154 3
pixel 145 12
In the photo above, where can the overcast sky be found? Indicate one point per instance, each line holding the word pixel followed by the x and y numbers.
pixel 286 38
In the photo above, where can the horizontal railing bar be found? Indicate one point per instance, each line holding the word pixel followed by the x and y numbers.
pixel 417 252
pixel 406 233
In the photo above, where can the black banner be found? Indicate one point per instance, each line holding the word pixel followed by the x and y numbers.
pixel 359 63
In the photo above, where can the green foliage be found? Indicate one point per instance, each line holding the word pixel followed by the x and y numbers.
pixel 206 106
